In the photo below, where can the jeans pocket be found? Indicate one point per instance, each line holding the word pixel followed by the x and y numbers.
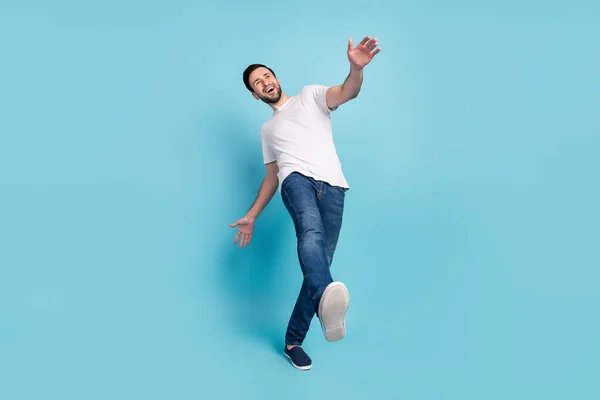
pixel 288 179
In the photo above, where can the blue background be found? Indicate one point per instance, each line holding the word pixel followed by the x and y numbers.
pixel 128 143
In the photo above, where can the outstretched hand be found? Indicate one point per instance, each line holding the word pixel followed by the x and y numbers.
pixel 363 53
pixel 245 227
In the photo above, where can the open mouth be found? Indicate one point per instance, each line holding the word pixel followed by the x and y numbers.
pixel 270 89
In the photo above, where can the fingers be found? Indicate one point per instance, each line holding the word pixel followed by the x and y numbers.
pixel 350 44
pixel 245 240
pixel 241 238
pixel 371 44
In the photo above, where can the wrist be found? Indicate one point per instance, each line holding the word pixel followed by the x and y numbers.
pixel 355 68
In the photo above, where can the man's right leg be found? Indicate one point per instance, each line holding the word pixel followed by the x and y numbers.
pixel 335 299
pixel 304 312
pixel 299 195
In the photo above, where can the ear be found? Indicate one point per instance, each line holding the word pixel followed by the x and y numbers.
pixel 255 96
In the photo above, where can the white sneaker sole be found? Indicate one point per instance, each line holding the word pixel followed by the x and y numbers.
pixel 296 366
pixel 332 311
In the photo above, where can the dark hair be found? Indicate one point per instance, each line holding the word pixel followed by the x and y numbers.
pixel 249 70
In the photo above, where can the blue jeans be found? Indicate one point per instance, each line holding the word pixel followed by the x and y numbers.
pixel 316 209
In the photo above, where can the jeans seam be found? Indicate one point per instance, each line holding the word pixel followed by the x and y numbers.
pixel 290 203
pixel 298 239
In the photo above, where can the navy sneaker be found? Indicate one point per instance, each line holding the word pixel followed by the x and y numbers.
pixel 298 357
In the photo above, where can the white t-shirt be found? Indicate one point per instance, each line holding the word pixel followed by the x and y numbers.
pixel 298 136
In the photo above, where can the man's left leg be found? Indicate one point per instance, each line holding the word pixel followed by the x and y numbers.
pixel 330 201
pixel 299 194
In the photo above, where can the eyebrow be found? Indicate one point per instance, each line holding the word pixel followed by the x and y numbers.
pixel 265 74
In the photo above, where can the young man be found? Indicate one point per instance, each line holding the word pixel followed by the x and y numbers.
pixel 301 161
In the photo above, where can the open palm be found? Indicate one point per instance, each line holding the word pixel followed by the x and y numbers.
pixel 363 53
pixel 245 227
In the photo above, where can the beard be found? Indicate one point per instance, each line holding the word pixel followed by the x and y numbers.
pixel 271 98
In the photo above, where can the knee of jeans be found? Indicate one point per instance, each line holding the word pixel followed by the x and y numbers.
pixel 317 282
pixel 312 237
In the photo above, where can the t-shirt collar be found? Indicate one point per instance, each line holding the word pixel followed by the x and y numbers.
pixel 284 105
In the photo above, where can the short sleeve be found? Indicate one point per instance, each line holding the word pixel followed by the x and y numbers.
pixel 320 96
pixel 267 151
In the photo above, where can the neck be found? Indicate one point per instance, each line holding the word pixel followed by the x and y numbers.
pixel 283 99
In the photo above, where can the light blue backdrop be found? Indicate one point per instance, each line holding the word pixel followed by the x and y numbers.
pixel 128 143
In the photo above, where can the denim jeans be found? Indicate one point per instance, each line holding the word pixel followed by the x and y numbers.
pixel 316 209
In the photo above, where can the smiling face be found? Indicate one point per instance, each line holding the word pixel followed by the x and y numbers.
pixel 264 85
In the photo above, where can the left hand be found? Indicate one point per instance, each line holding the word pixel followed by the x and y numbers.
pixel 362 54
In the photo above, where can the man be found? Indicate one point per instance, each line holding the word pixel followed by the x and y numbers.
pixel 301 161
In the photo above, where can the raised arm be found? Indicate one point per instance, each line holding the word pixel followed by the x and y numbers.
pixel 359 57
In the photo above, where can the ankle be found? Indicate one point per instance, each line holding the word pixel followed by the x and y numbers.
pixel 291 346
